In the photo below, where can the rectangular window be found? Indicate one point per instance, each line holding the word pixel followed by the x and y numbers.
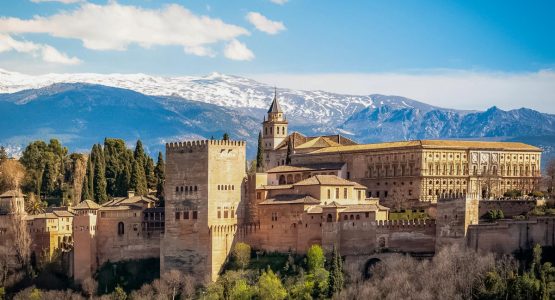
pixel 226 212
pixel 329 194
pixel 258 195
pixel 177 214
pixel 195 215
pixel 344 193
pixel 385 194
pixel 186 215
pixel 336 193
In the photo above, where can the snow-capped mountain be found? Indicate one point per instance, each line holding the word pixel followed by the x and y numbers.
pixel 82 109
pixel 326 110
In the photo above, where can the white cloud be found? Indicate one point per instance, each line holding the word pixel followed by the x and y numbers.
pixel 61 1
pixel 264 24
pixel 46 52
pixel 238 51
pixel 445 88
pixel 200 51
pixel 280 2
pixel 114 27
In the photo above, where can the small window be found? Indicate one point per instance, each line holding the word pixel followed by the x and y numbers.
pixel 195 215
pixel 186 215
pixel 177 215
pixel 176 189
pixel 336 193
pixel 344 193
pixel 121 228
pixel 329 194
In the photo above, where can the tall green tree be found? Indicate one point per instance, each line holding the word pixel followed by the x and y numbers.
pixel 87 191
pixel 225 137
pixel 159 171
pixel 139 153
pixel 138 179
pixel 48 182
pixel 117 161
pixel 336 273
pixel 99 178
pixel 151 179
pixel 260 153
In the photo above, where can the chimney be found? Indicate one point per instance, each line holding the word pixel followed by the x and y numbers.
pixel 130 194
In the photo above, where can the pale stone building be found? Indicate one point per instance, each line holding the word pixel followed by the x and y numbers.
pixel 407 172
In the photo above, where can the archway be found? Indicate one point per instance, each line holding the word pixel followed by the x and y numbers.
pixel 369 267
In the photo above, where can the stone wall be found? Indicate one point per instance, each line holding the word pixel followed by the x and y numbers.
pixel 508 236
pixel 510 208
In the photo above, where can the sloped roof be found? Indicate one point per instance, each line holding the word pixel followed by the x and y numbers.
pixel 433 144
pixel 363 208
pixel 129 201
pixel 319 142
pixel 87 204
pixel 299 139
pixel 306 167
pixel 325 180
pixel 275 107
pixel 291 199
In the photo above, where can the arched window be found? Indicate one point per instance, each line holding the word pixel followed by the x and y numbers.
pixel 121 228
pixel 329 218
pixel 352 217
pixel 289 179
pixel 282 179
pixel 176 189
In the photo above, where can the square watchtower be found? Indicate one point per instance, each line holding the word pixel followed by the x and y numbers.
pixel 205 189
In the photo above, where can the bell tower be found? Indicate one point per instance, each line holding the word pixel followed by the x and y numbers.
pixel 274 128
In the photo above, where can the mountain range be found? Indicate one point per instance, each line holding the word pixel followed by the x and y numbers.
pixel 82 109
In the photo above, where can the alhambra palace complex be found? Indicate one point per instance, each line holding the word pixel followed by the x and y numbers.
pixel 326 190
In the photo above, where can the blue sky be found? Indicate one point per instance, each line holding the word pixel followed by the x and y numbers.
pixel 397 47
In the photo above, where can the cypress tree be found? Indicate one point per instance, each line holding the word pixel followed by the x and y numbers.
pixel 138 179
pixel 99 178
pixel 260 154
pixel 159 171
pixel 151 179
pixel 139 153
pixel 48 180
pixel 225 137
pixel 336 273
pixel 88 183
pixel 289 152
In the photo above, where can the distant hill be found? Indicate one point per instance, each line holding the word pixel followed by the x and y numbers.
pixel 82 109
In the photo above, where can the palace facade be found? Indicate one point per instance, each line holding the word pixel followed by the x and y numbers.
pixel 403 172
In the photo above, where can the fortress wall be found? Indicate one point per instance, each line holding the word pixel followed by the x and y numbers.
pixel 510 208
pixel 133 244
pixel 358 237
pixel 506 237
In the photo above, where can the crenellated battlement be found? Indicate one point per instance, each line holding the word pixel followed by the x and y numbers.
pixel 196 145
pixel 406 223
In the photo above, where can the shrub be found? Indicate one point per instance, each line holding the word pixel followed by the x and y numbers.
pixel 270 287
pixel 241 255
pixel 316 258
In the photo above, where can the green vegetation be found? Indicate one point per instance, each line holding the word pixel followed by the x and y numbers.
pixel 409 214
pixel 495 214
pixel 59 178
pixel 260 153
pixel 241 255
pixel 128 275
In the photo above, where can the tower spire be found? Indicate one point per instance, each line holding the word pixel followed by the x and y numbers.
pixel 275 107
